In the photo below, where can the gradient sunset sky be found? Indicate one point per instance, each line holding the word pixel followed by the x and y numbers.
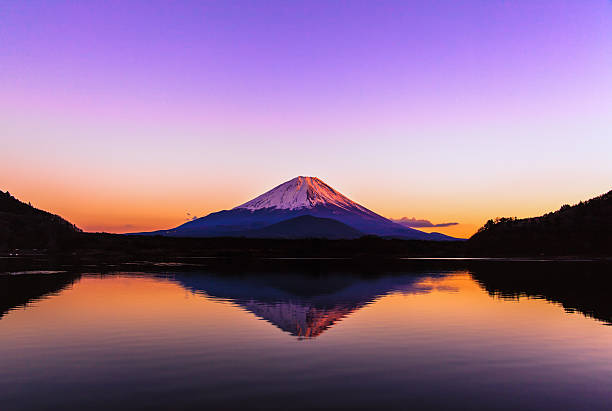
pixel 126 115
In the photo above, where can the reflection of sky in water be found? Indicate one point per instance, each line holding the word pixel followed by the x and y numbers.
pixel 188 340
pixel 302 305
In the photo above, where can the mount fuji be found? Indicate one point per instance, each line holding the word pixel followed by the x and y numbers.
pixel 279 213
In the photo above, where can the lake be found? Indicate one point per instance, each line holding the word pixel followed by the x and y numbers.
pixel 465 335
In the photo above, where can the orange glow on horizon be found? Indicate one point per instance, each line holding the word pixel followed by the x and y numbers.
pixel 125 211
pixel 121 205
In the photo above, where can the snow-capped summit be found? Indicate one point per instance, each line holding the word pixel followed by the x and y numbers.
pixel 280 212
pixel 298 193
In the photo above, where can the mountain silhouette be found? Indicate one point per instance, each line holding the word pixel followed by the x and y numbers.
pixel 585 228
pixel 23 226
pixel 306 226
pixel 297 197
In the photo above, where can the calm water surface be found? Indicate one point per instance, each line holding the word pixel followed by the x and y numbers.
pixel 499 337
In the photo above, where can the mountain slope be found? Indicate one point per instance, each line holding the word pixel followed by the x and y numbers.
pixel 23 226
pixel 302 192
pixel 585 228
pixel 306 226
pixel 294 198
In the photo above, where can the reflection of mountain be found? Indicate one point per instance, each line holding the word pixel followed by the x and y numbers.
pixel 19 290
pixel 300 304
pixel 301 320
pixel 576 286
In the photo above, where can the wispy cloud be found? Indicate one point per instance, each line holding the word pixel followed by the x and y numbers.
pixel 416 223
pixel 111 228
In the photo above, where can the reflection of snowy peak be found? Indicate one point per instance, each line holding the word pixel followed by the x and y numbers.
pixel 302 306
pixel 301 192
pixel 301 320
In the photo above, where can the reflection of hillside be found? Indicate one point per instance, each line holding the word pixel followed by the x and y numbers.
pixel 19 290
pixel 299 304
pixel 576 286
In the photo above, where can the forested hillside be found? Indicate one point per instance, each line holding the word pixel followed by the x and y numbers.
pixel 584 228
pixel 23 226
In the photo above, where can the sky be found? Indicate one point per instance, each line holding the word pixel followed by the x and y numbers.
pixel 125 116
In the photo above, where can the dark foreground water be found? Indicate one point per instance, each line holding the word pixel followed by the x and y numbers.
pixel 501 335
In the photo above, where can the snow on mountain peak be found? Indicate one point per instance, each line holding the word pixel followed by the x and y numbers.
pixel 300 192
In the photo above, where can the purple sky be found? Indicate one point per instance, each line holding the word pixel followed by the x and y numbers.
pixel 441 110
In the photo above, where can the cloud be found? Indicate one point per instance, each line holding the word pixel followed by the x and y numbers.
pixel 119 228
pixel 415 223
